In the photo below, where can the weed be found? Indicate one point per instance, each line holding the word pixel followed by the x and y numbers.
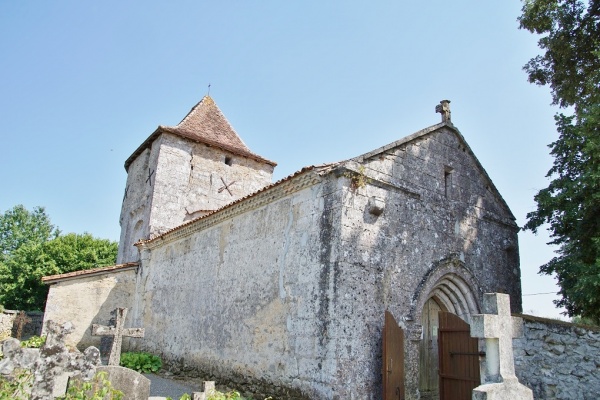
pixel 357 179
pixel 141 362
pixel 18 387
pixel 99 388
pixel 34 342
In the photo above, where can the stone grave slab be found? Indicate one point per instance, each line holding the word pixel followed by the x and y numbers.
pixel 134 385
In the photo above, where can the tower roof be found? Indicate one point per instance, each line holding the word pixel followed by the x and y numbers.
pixel 205 123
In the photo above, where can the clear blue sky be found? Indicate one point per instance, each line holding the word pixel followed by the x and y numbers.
pixel 82 84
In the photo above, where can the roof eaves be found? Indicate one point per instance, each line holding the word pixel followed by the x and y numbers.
pixel 404 140
pixel 317 169
pixel 89 272
pixel 231 149
pixel 166 129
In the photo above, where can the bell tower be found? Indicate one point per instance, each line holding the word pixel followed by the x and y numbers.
pixel 185 172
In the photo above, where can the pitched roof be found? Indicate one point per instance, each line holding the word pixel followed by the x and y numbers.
pixel 205 123
pixel 88 272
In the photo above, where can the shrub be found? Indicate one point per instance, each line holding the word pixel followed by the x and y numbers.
pixel 99 388
pixel 34 342
pixel 141 362
pixel 18 387
pixel 231 395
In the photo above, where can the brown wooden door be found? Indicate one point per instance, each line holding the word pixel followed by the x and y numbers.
pixel 393 359
pixel 459 358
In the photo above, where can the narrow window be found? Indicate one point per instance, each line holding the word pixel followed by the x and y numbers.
pixel 228 160
pixel 447 181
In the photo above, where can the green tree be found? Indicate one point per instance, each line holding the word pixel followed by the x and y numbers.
pixel 19 226
pixel 570 205
pixel 26 261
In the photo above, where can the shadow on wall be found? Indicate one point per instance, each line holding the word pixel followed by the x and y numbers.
pixel 87 300
pixel 106 315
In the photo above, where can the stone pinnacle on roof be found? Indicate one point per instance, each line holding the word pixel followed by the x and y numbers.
pixel 444 109
pixel 206 123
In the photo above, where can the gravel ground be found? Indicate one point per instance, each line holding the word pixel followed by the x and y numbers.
pixel 165 386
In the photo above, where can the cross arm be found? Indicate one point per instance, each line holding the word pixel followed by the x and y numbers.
pixel 101 330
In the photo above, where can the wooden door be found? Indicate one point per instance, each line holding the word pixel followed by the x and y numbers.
pixel 459 358
pixel 393 359
pixel 429 377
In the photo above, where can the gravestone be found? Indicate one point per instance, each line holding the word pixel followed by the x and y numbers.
pixel 209 388
pixel 117 332
pixel 498 328
pixel 134 385
pixel 50 362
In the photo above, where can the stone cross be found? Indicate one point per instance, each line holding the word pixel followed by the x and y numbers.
pixel 498 328
pixel 50 363
pixel 117 332
pixel 444 109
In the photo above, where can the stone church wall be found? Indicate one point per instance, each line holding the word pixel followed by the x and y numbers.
pixel 383 258
pixel 255 282
pixel 558 360
pixel 302 283
pixel 90 301
pixel 135 210
pixel 178 180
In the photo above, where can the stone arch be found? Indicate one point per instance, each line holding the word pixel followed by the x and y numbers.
pixel 447 286
pixel 452 285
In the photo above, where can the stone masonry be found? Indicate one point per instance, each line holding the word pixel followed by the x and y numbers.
pixel 178 176
pixel 558 360
pixel 283 289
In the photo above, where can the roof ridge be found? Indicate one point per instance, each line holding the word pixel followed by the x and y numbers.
pixel 206 120
pixel 204 123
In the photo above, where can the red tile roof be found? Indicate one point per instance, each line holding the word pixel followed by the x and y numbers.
pixel 94 271
pixel 205 123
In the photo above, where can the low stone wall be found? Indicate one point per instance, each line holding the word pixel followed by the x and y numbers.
pixel 90 298
pixel 6 323
pixel 558 360
pixel 31 328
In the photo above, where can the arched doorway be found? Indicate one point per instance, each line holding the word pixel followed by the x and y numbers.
pixel 449 293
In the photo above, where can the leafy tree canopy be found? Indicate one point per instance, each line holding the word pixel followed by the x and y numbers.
pixel 36 249
pixel 571 203
pixel 19 226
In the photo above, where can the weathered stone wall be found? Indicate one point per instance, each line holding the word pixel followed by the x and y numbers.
pixel 6 323
pixel 293 293
pixel 32 328
pixel 428 221
pixel 89 300
pixel 135 210
pixel 558 360
pixel 246 297
pixel 178 180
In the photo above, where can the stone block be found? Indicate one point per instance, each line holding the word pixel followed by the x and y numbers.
pixel 134 385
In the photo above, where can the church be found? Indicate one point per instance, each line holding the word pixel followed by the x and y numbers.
pixel 287 288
